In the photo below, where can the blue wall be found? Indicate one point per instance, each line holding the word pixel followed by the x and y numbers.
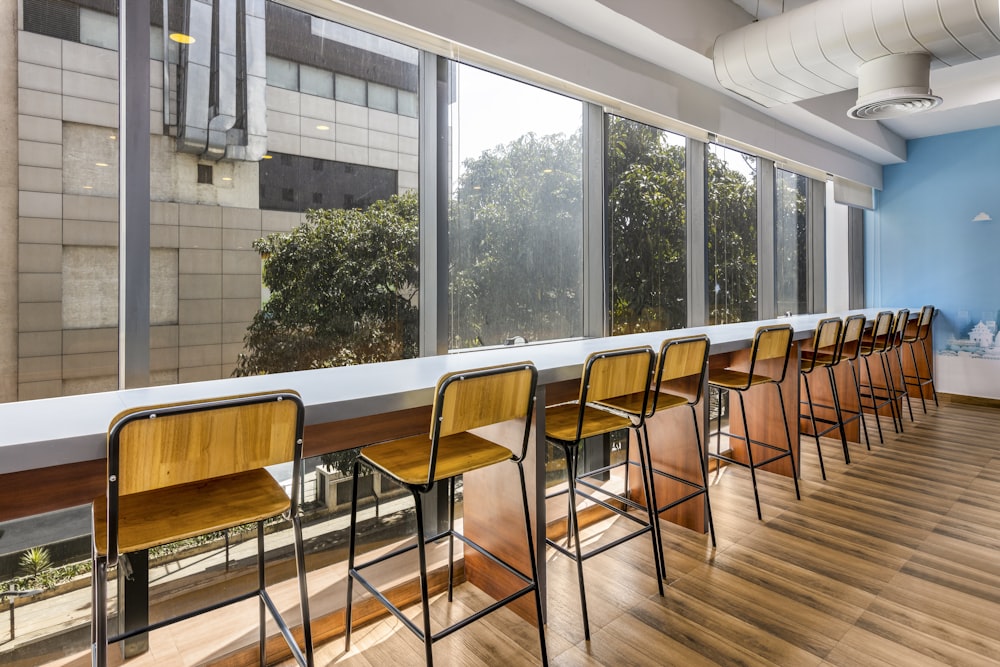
pixel 922 246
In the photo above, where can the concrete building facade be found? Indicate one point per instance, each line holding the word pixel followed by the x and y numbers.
pixel 60 335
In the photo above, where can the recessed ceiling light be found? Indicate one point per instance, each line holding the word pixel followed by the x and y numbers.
pixel 181 38
pixel 323 127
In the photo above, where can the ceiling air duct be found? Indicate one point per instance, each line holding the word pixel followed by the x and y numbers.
pixel 894 85
pixel 884 47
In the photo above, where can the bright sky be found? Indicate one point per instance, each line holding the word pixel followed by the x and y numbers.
pixel 494 110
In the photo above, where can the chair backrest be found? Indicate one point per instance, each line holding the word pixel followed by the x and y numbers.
pixel 826 339
pixel 159 446
pixel 617 378
pixel 850 342
pixel 899 323
pixel 880 338
pixel 465 400
pixel 923 324
pixel 771 342
pixel 681 367
pixel 483 396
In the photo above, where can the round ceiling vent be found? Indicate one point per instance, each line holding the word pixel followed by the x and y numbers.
pixel 894 85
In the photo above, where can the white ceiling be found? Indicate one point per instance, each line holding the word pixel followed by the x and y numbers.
pixel 679 35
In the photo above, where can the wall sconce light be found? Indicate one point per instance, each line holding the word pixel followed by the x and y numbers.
pixel 982 216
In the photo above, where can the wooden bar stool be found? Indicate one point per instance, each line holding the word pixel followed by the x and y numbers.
pixel 770 343
pixel 680 376
pixel 824 354
pixel 919 339
pixel 899 381
pixel 878 343
pixel 464 401
pixel 187 469
pixel 850 347
pixel 619 378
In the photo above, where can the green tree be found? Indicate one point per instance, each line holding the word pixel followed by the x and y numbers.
pixel 343 290
pixel 515 243
pixel 731 239
pixel 648 230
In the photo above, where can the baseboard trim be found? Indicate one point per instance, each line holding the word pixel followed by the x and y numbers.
pixel 969 400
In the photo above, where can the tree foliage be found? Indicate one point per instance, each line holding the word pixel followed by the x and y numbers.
pixel 515 243
pixel 731 240
pixel 648 229
pixel 343 290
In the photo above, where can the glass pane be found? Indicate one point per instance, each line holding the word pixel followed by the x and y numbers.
pixel 315 81
pixel 791 249
pixel 282 73
pixel 408 103
pixel 731 235
pixel 647 227
pixel 351 90
pixel 98 29
pixel 381 97
pixel 516 214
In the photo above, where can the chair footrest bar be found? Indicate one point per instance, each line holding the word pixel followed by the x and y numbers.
pixel 183 617
pixel 600 549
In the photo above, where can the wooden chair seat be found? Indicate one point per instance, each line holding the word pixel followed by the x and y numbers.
pixel 730 379
pixel 820 358
pixel 174 513
pixel 407 459
pixel 630 404
pixel 561 422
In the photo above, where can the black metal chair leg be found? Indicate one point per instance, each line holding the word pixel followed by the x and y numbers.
pixel 861 408
pixel 534 566
pixel 815 428
pixel 661 562
pixel 653 515
pixel 838 412
pixel 261 585
pixel 352 540
pixel 425 605
pixel 571 491
pixel 704 475
pixel 788 439
pixel 753 468
pixel 451 539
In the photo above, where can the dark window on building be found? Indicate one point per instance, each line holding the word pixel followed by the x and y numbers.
pixel 205 173
pixel 296 183
pixel 55 18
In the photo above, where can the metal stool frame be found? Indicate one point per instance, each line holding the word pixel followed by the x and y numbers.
pixel 430 462
pixel 583 413
pixel 740 381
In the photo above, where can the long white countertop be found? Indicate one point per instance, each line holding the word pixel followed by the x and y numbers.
pixel 71 429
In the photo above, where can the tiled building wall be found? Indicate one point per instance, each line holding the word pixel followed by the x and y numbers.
pixel 205 274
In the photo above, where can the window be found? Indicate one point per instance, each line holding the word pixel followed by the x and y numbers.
pixel 516 213
pixel 731 235
pixel 381 97
pixel 315 81
pixel 351 90
pixel 646 209
pixel 282 73
pixel 791 242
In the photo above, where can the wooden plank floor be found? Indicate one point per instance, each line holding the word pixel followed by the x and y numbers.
pixel 895 560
